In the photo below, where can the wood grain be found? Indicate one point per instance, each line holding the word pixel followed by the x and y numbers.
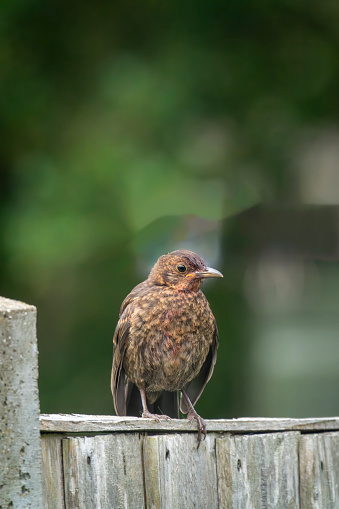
pixel 103 472
pixel 78 423
pixel 258 471
pixel 177 474
pixel 252 463
pixel 52 471
pixel 319 471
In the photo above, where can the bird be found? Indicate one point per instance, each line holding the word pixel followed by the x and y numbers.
pixel 165 342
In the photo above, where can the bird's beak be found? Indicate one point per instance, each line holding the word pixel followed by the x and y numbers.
pixel 209 272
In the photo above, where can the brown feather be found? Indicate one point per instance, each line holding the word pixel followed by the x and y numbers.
pixel 166 338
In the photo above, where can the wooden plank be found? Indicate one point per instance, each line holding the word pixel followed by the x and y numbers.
pixel 103 472
pixel 319 471
pixel 78 423
pixel 258 471
pixel 177 474
pixel 52 472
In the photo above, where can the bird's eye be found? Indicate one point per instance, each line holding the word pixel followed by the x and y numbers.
pixel 181 268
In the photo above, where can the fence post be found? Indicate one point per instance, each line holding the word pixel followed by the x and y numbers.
pixel 20 454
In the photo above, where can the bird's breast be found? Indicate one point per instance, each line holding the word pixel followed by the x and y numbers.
pixel 169 340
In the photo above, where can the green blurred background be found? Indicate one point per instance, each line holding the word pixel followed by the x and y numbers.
pixel 130 129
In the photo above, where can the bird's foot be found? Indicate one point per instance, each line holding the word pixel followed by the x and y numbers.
pixel 156 417
pixel 193 416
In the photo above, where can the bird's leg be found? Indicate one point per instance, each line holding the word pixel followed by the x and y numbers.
pixel 146 412
pixel 192 415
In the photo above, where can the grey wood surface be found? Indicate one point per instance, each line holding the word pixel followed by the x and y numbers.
pixel 319 471
pixel 258 471
pixel 103 472
pixel 20 455
pixel 79 423
pixel 52 471
pixel 277 470
pixel 177 474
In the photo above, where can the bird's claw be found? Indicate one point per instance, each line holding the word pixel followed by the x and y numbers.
pixel 156 417
pixel 193 416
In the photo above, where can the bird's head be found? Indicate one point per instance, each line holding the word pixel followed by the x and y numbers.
pixel 182 270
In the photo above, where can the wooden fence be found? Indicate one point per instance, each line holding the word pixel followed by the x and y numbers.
pixel 112 462
pixel 105 462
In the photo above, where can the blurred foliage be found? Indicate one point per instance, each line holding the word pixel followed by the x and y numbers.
pixel 130 129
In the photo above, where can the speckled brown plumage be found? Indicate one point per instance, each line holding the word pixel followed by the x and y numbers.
pixel 165 340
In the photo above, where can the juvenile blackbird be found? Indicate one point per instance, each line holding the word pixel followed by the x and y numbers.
pixel 165 341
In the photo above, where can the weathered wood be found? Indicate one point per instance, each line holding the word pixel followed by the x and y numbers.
pixel 52 471
pixel 258 471
pixel 20 453
pixel 79 423
pixel 103 472
pixel 319 471
pixel 179 475
pixel 236 471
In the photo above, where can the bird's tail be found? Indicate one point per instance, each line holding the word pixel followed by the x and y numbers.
pixel 166 404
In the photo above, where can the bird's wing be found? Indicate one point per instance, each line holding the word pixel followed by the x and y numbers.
pixel 120 340
pixel 137 291
pixel 195 388
pixel 120 386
